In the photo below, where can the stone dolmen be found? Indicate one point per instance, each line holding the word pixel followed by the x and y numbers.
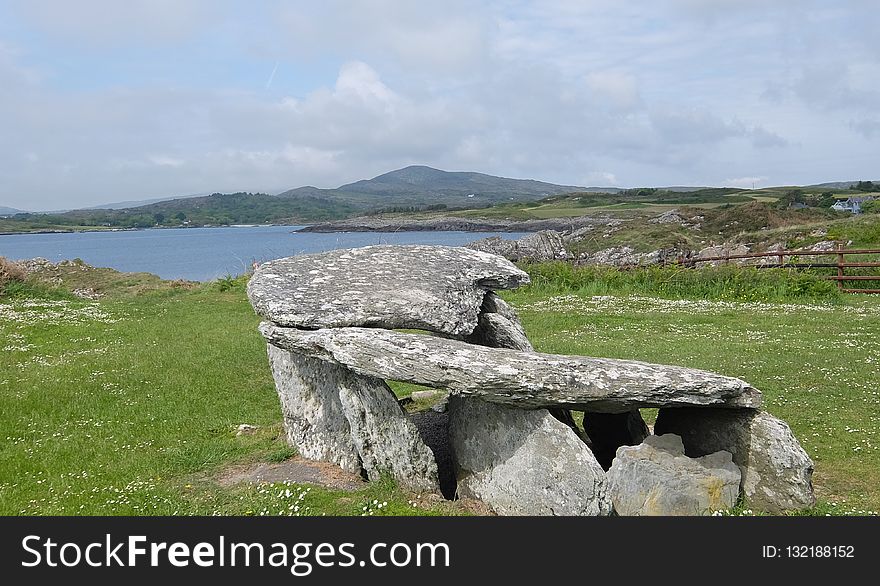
pixel 332 323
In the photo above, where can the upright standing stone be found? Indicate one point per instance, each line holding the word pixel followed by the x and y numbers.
pixel 313 416
pixel 333 415
pixel 776 471
pixel 523 462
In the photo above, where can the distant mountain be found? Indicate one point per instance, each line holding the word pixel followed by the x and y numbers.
pixel 5 211
pixel 838 184
pixel 420 185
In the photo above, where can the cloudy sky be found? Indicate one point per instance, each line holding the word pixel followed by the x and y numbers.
pixel 102 100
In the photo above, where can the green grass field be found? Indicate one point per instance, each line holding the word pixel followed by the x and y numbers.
pixel 129 405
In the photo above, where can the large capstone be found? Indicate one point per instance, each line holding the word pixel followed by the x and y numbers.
pixel 776 471
pixel 523 462
pixel 435 288
pixel 333 415
pixel 519 379
pixel 656 478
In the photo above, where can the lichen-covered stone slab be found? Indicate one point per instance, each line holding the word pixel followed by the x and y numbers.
pixel 656 478
pixel 776 471
pixel 520 379
pixel 435 288
pixel 333 415
pixel 523 462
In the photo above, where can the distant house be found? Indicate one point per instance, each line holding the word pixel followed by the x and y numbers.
pixel 854 204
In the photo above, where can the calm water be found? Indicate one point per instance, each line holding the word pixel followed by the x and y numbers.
pixel 202 254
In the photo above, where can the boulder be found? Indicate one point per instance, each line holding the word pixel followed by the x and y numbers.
pixel 435 288
pixel 609 431
pixel 521 379
pixel 498 326
pixel 668 217
pixel 655 478
pixel 723 250
pixel 523 462
pixel 776 471
pixel 541 246
pixel 332 415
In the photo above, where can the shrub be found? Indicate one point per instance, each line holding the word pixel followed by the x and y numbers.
pixel 10 272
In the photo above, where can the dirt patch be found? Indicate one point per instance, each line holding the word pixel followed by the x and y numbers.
pixel 296 469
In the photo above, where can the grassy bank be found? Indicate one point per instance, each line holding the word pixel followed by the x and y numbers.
pixel 730 282
pixel 129 404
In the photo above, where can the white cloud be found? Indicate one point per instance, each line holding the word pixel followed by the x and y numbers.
pixel 745 182
pixel 166 161
pixel 571 91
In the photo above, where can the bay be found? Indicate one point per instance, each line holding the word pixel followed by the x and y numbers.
pixel 204 254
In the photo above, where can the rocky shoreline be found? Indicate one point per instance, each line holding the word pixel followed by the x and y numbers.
pixel 454 224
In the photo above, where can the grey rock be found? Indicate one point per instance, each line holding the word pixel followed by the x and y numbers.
pixel 523 462
pixel 245 429
pixel 823 246
pixel 776 471
pixel 656 478
pixel 385 438
pixel 542 246
pixel 333 415
pixel 724 250
pixel 499 327
pixel 520 379
pixel 668 217
pixel 435 288
pixel 578 234
pixel 609 431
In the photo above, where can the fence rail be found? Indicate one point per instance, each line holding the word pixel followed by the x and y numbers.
pixel 841 264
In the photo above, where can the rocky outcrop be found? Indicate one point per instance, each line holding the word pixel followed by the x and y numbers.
pixel 435 288
pixel 518 379
pixel 723 251
pixel 523 462
pixel 542 246
pixel 456 224
pixel 655 478
pixel 625 256
pixel 668 217
pixel 776 471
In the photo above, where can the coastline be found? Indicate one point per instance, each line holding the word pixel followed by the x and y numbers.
pixel 104 229
pixel 453 224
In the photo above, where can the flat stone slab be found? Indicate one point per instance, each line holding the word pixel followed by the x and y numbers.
pixel 435 288
pixel 527 380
